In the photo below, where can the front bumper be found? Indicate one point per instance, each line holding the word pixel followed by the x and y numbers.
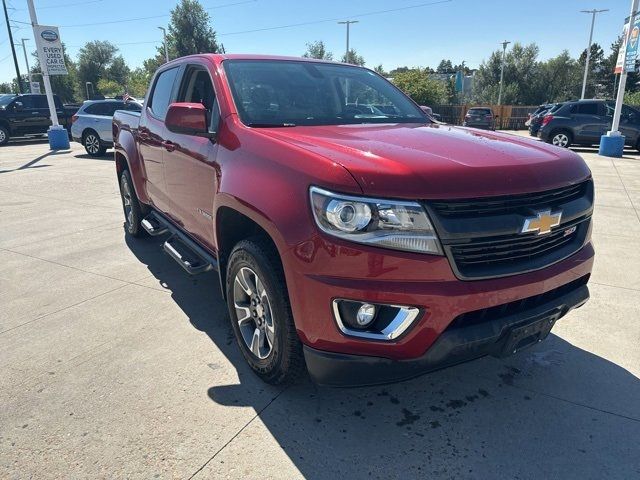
pixel 499 336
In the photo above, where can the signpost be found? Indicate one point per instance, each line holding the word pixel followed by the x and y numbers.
pixel 612 144
pixel 51 58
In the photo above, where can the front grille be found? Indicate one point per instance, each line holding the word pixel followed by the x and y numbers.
pixel 483 237
pixel 494 251
pixel 519 307
pixel 509 203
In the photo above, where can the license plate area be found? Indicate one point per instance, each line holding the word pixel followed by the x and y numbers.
pixel 523 336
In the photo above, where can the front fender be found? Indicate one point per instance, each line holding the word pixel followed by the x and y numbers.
pixel 125 145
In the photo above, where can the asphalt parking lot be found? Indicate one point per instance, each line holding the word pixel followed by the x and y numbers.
pixel 115 364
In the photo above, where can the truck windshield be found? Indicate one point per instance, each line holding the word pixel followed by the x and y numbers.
pixel 5 99
pixel 286 93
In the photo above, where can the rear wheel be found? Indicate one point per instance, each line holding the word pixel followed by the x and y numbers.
pixel 560 138
pixel 4 135
pixel 260 313
pixel 92 144
pixel 131 205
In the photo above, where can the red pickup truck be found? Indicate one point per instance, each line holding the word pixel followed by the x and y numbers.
pixel 353 236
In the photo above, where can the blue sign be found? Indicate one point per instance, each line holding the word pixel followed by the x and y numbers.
pixel 49 35
pixel 632 46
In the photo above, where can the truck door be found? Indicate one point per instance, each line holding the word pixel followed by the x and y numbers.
pixel 152 135
pixel 29 118
pixel 190 162
pixel 589 120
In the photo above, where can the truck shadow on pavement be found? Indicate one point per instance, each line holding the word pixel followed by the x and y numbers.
pixel 554 411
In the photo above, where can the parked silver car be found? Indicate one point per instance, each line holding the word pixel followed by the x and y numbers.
pixel 91 125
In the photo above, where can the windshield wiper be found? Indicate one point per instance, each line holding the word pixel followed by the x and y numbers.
pixel 270 125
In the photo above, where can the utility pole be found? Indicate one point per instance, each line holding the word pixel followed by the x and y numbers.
pixel 593 13
pixel 164 40
pixel 13 47
pixel 26 61
pixel 347 23
pixel 504 52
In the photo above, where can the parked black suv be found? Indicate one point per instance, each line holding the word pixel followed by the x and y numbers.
pixel 535 118
pixel 582 122
pixel 28 114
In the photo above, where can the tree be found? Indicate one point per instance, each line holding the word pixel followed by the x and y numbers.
pixel 395 71
pixel 420 87
pixel 94 62
pixel 110 88
pixel 560 79
pixel 445 66
pixel 139 82
pixel 380 71
pixel 353 58
pixel 520 73
pixel 190 31
pixel 598 77
pixel 6 87
pixel 317 50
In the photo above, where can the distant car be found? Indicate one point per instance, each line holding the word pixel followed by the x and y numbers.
pixel 91 125
pixel 583 122
pixel 480 117
pixel 535 120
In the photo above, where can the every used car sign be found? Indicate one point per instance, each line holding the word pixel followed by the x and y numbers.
pixel 50 49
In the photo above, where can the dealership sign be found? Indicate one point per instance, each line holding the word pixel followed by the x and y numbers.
pixel 50 50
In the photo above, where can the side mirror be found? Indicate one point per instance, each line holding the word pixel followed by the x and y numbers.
pixel 188 119
pixel 426 109
pixel 18 106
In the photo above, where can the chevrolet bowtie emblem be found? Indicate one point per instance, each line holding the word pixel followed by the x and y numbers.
pixel 542 223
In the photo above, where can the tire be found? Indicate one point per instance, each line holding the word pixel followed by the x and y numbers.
pixel 276 356
pixel 92 144
pixel 133 210
pixel 561 138
pixel 4 135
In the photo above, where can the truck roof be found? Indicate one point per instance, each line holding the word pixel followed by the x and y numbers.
pixel 220 57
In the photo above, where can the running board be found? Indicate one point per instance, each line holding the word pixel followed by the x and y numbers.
pixel 190 256
pixel 153 225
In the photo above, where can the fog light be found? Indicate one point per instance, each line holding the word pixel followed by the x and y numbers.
pixel 366 314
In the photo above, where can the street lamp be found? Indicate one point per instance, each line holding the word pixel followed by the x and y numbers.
pixel 86 86
pixel 504 52
pixel 586 65
pixel 347 23
pixel 164 40
pixel 26 60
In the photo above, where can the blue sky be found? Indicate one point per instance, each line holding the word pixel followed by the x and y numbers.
pixel 459 30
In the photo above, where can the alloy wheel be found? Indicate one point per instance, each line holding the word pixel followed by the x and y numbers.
pixel 253 312
pixel 560 140
pixel 3 136
pixel 126 200
pixel 92 144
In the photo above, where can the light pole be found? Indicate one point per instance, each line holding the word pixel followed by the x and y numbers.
pixel 347 23
pixel 86 86
pixel 586 65
pixel 164 40
pixel 504 52
pixel 26 61
pixel 346 59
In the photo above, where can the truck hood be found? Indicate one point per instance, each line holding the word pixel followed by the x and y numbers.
pixel 438 161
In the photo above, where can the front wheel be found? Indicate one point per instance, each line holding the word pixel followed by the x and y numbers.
pixel 560 139
pixel 4 135
pixel 260 313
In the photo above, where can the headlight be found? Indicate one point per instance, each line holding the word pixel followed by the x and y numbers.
pixel 382 223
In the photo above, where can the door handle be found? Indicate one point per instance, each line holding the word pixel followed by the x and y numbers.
pixel 169 146
pixel 35 113
pixel 143 134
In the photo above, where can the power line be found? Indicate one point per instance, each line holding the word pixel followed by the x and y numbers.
pixel 327 20
pixel 122 20
pixel 59 6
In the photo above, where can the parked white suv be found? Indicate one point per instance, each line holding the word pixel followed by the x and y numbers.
pixel 91 125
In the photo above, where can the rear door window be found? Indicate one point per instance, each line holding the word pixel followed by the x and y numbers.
pixel 587 108
pixel 162 91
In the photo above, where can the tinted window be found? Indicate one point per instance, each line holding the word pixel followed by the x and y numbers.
pixel 161 95
pixel 27 101
pixel 131 107
pixel 93 109
pixel 197 88
pixel 587 108
pixel 480 111
pixel 40 101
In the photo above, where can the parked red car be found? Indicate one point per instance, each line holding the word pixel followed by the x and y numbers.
pixel 370 247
